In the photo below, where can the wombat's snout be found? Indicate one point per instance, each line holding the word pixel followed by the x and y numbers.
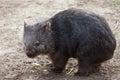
pixel 30 52
pixel 33 51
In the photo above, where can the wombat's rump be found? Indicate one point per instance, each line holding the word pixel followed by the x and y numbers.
pixel 72 33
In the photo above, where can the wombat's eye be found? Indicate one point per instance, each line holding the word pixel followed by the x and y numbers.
pixel 37 43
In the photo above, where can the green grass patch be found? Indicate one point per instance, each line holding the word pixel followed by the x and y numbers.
pixel 116 2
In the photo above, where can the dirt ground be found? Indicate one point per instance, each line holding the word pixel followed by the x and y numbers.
pixel 14 65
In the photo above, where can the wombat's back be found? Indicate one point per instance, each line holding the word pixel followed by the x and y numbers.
pixel 77 31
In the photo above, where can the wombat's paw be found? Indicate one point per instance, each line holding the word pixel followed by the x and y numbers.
pixel 56 70
pixel 82 73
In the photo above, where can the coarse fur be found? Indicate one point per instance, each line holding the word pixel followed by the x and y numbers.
pixel 78 34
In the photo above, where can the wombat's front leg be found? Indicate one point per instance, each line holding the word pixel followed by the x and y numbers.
pixel 59 61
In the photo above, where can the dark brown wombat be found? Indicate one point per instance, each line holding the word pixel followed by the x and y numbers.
pixel 71 33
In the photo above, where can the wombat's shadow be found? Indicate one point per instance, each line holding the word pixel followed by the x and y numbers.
pixel 55 76
pixel 44 73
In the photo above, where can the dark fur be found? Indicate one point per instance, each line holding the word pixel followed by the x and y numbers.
pixel 82 35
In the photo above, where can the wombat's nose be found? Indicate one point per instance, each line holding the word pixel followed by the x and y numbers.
pixel 37 43
pixel 30 54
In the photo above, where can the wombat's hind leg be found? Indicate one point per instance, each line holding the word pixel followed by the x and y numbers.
pixel 84 68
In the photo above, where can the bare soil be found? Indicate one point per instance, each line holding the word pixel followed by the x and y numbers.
pixel 14 65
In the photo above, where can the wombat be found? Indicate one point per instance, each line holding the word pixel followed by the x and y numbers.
pixel 74 33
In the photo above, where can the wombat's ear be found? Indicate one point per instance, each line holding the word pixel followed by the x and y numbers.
pixel 25 24
pixel 47 26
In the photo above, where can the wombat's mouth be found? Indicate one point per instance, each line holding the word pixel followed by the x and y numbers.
pixel 31 56
pixel 35 51
pixel 31 53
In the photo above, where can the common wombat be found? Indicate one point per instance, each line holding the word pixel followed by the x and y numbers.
pixel 71 33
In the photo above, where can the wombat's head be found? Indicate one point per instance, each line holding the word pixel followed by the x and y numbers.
pixel 35 38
